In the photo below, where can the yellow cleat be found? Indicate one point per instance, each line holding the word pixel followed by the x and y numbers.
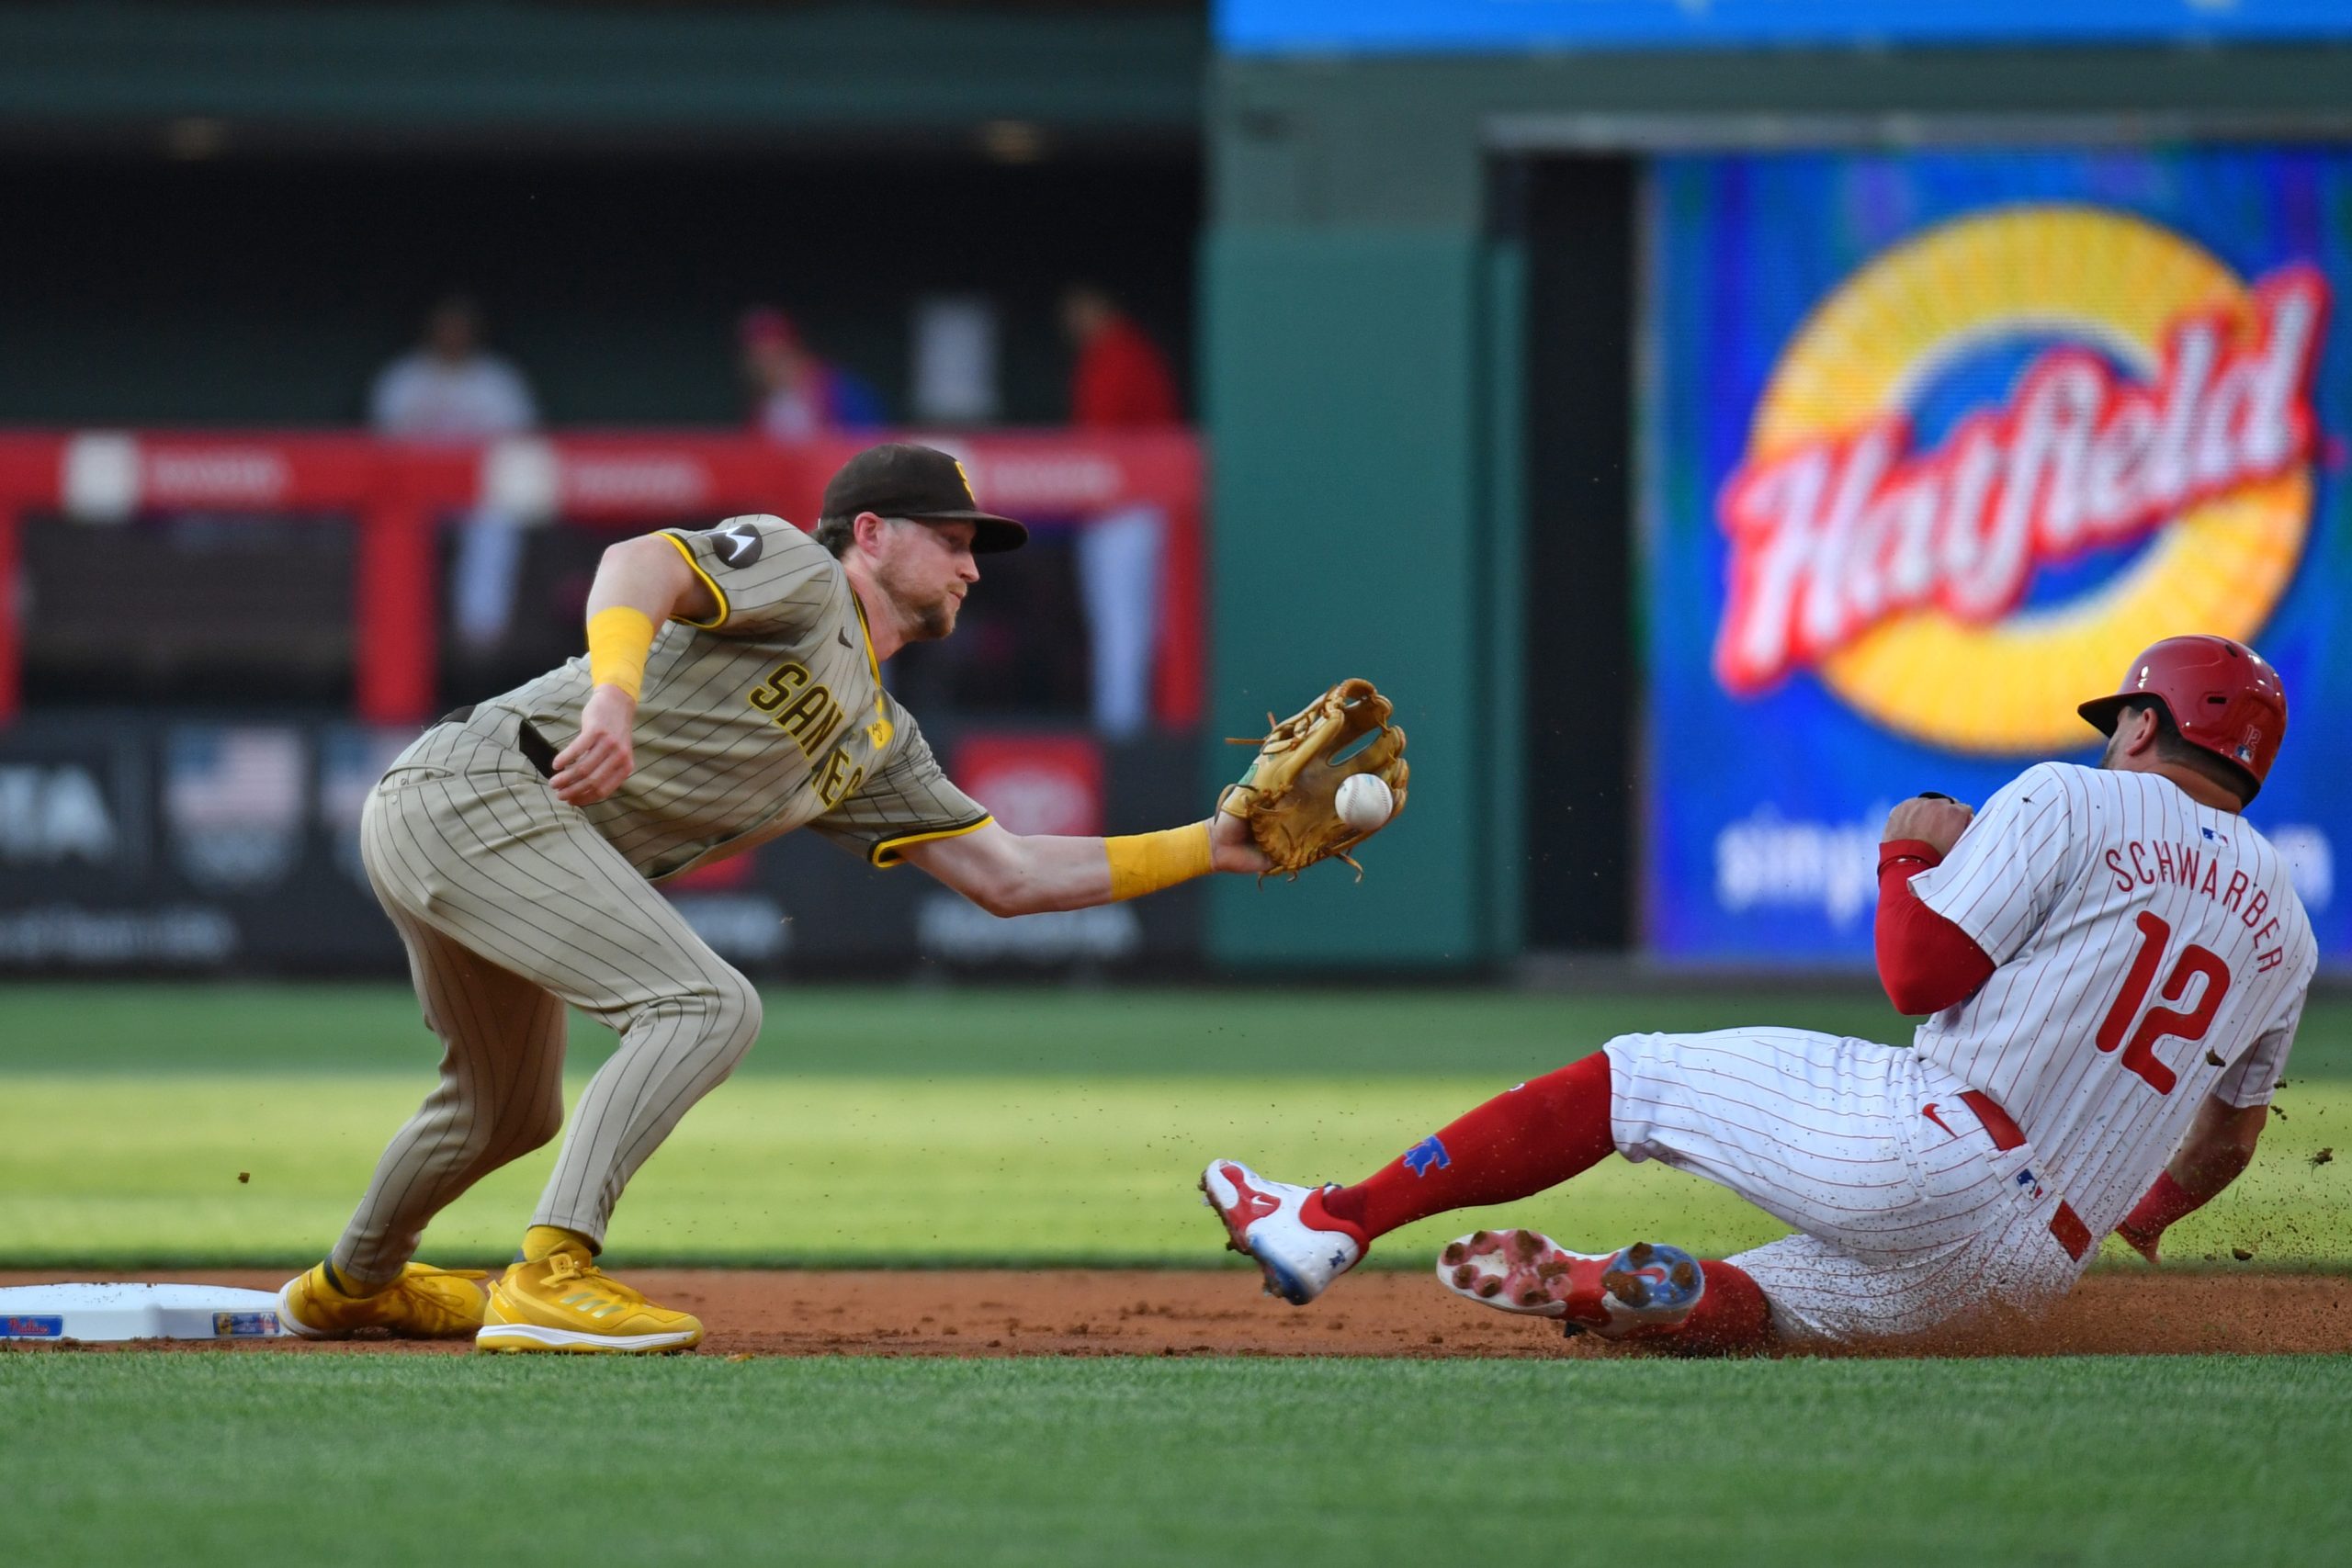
pixel 423 1304
pixel 566 1302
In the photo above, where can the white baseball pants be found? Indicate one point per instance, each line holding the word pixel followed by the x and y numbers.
pixel 1909 1216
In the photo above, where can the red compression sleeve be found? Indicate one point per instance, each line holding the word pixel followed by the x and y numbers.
pixel 1926 962
pixel 1520 1143
pixel 2163 1204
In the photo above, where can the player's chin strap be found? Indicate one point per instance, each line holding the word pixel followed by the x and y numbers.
pixel 1145 862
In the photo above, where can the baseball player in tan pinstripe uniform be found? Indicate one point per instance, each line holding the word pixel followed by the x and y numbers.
pixel 732 692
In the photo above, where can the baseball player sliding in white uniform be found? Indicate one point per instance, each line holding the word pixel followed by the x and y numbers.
pixel 2115 961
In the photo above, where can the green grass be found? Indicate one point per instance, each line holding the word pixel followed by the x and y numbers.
pixel 1057 1127
pixel 139 1028
pixel 861 1031
pixel 354 1461
pixel 882 1127
pixel 886 1170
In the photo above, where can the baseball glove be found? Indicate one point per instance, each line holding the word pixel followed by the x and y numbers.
pixel 1287 797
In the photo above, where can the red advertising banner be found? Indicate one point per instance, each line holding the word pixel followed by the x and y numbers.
pixel 1035 783
pixel 396 493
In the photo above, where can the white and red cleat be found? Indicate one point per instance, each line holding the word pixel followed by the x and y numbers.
pixel 1642 1286
pixel 1301 1249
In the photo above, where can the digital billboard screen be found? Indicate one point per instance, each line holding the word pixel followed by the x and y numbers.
pixel 1516 27
pixel 1933 444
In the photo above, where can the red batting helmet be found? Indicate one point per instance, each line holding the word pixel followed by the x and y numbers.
pixel 2220 695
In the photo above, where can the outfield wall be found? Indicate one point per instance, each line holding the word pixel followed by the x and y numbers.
pixel 182 842
pixel 1366 293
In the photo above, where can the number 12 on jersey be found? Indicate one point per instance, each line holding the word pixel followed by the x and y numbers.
pixel 2139 1054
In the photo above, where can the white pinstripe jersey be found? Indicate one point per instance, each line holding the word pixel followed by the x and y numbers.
pixel 767 718
pixel 2149 951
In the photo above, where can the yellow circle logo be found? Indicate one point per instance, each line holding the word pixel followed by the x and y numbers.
pixel 2175 411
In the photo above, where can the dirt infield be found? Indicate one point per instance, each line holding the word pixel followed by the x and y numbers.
pixel 1153 1312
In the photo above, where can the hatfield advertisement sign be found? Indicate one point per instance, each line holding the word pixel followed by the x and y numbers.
pixel 1933 444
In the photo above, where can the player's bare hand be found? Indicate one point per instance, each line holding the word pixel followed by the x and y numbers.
pixel 1232 848
pixel 601 759
pixel 1936 821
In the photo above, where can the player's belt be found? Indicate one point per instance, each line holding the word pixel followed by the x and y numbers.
pixel 2007 1134
pixel 527 740
pixel 2065 1225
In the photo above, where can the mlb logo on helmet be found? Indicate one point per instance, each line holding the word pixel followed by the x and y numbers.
pixel 2172 417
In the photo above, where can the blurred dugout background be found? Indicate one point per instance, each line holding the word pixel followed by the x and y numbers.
pixel 336 342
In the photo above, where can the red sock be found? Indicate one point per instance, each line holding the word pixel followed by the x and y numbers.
pixel 1730 1317
pixel 1535 1136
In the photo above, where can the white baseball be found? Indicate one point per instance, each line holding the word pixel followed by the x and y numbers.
pixel 1364 803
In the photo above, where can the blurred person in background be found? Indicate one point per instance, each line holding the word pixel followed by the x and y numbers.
pixel 1120 381
pixel 796 394
pixel 450 388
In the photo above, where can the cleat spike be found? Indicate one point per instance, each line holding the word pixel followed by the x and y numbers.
pixel 1644 1285
pixel 1454 1254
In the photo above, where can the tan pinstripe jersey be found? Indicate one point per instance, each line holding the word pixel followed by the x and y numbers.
pixel 770 717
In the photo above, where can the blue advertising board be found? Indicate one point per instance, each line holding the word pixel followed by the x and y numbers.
pixel 1519 27
pixel 1933 445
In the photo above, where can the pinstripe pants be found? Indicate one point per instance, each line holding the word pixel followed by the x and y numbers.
pixel 511 905
pixel 1908 1217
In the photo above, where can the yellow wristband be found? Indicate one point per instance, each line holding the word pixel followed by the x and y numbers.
pixel 1145 862
pixel 619 640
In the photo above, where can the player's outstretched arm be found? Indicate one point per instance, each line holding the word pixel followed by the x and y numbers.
pixel 640 584
pixel 1016 873
pixel 2218 1147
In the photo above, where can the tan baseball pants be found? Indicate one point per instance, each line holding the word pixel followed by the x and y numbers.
pixel 511 905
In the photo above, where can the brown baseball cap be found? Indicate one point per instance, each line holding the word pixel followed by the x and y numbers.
pixel 899 479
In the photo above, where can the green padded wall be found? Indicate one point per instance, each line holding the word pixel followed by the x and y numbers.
pixel 1345 383
pixel 373 74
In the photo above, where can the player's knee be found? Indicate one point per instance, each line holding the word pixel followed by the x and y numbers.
pixel 1632 1055
pixel 735 1020
pixel 720 1014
